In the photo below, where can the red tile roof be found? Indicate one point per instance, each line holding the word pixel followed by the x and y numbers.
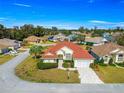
pixel 54 56
pixel 78 52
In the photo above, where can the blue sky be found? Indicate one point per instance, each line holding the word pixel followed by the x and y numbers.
pixel 63 13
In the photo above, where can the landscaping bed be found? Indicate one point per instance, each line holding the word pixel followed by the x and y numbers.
pixel 110 74
pixel 120 64
pixel 68 64
pixel 5 58
pixel 29 71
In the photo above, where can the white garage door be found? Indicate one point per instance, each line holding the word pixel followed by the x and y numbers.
pixel 82 63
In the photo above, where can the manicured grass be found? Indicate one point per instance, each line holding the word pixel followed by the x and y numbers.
pixel 21 51
pixel 48 42
pixel 5 58
pixel 83 46
pixel 28 70
pixel 111 74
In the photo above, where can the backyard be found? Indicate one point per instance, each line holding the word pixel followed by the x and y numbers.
pixel 5 58
pixel 111 74
pixel 28 70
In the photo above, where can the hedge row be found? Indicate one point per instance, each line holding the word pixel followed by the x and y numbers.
pixel 43 66
pixel 120 64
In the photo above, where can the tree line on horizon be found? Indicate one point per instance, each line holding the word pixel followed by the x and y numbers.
pixel 21 32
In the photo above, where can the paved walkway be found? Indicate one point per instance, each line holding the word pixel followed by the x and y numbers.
pixel 88 76
pixel 9 83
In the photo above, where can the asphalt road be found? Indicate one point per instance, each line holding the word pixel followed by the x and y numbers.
pixel 9 83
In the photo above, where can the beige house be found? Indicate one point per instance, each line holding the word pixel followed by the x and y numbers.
pixel 13 44
pixel 108 51
pixel 59 37
pixel 33 39
pixel 96 40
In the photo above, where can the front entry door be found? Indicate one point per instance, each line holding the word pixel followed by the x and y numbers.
pixel 60 62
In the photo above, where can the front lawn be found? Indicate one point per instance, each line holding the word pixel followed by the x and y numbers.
pixel 48 42
pixel 5 58
pixel 83 46
pixel 28 70
pixel 111 74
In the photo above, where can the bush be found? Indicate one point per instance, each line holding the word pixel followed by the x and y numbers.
pixel 102 64
pixel 120 64
pixel 43 66
pixel 96 61
pixel 94 66
pixel 89 43
pixel 1 53
pixel 99 61
pixel 9 49
pixel 88 48
pixel 111 61
pixel 67 62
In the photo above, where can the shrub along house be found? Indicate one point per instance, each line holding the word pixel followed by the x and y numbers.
pixel 67 51
pixel 108 51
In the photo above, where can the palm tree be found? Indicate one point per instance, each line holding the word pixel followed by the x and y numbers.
pixel 35 50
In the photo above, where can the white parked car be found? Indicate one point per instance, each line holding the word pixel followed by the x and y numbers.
pixel 13 52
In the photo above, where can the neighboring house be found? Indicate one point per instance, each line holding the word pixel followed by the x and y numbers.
pixel 72 37
pixel 76 32
pixel 96 40
pixel 11 44
pixel 3 49
pixel 68 51
pixel 115 35
pixel 87 35
pixel 58 37
pixel 108 51
pixel 108 37
pixel 33 39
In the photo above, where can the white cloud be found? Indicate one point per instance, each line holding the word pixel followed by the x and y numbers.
pixel 114 24
pixel 22 5
pixel 3 19
pixel 120 24
pixel 100 22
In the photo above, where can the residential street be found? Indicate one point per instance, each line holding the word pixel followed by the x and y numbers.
pixel 9 83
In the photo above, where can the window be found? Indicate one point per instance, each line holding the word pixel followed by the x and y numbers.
pixel 68 57
pixel 120 57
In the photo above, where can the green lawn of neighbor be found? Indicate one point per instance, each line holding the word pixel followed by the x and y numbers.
pixel 48 42
pixel 5 58
pixel 111 74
